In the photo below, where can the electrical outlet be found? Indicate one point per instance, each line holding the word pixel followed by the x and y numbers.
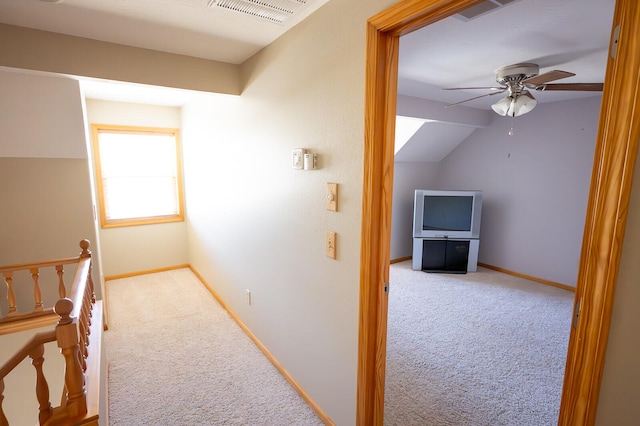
pixel 330 244
pixel 248 295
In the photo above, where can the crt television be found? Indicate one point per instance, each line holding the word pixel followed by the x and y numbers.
pixel 446 214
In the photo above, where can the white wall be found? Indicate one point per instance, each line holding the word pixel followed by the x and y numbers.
pixel 407 177
pixel 139 248
pixel 44 173
pixel 535 186
pixel 254 223
pixel 45 216
pixel 41 116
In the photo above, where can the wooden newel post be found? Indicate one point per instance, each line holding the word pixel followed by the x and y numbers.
pixel 68 342
pixel 84 245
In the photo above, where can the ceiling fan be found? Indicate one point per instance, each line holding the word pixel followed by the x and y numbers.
pixel 517 80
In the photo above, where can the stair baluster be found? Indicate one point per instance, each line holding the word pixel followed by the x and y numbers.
pixel 11 296
pixel 3 418
pixel 42 387
pixel 37 294
pixel 62 291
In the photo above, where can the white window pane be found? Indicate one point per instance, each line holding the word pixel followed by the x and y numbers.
pixel 137 155
pixel 139 175
pixel 140 197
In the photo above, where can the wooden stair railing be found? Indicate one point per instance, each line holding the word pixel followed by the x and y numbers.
pixel 72 333
pixel 14 320
pixel 34 348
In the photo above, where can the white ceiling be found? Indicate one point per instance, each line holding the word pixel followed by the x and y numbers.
pixel 433 142
pixel 571 35
pixel 187 27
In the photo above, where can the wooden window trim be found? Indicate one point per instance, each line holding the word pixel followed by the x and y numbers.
pixel 117 223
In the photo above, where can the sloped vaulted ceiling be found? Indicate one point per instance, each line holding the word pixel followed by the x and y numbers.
pixel 570 35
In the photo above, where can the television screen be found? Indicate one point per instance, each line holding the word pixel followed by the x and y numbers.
pixel 447 213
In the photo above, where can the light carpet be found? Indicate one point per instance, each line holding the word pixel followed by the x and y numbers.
pixel 177 358
pixel 482 348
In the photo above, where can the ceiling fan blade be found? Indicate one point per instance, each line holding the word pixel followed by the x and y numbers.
pixel 585 87
pixel 547 77
pixel 477 97
pixel 469 88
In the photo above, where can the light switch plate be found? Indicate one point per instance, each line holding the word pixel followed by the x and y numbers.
pixel 330 244
pixel 332 197
pixel 297 159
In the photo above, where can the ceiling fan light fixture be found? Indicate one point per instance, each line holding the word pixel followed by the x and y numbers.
pixel 524 103
pixel 502 106
pixel 515 105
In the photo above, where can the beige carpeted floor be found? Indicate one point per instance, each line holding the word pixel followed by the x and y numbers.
pixel 177 358
pixel 481 348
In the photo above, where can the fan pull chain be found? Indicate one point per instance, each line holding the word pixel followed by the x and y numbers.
pixel 511 131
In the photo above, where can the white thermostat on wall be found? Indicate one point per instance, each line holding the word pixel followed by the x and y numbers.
pixel 298 158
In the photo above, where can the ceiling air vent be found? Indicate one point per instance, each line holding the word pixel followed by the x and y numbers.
pixel 272 10
pixel 482 8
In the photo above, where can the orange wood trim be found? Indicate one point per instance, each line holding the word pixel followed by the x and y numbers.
pixel 380 94
pixel 26 322
pixel 615 156
pixel 114 128
pixel 21 266
pixel 382 44
pixel 143 221
pixel 95 131
pixel 528 277
pixel 409 15
pixel 294 384
pixel 148 271
pixel 400 259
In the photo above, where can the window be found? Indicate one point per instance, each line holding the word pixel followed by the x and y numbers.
pixel 138 171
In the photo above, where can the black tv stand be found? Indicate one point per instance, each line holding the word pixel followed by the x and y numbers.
pixel 445 255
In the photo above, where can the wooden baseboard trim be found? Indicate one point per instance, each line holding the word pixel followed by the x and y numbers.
pixel 315 407
pixel 149 271
pixel 400 259
pixel 528 277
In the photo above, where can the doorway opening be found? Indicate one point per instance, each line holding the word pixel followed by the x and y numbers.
pixel 604 229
